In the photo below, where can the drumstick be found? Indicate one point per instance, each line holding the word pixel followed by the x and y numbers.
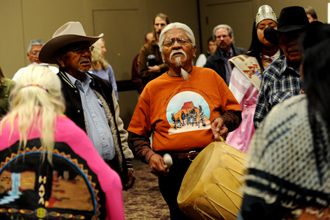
pixel 168 160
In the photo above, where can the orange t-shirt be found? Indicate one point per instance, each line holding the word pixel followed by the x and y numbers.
pixel 181 112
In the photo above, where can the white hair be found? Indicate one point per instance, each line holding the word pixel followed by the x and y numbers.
pixel 177 25
pixel 35 42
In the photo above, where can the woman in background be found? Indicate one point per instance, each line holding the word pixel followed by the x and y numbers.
pixel 246 76
pixel 6 85
pixel 211 49
pixel 100 65
pixel 48 166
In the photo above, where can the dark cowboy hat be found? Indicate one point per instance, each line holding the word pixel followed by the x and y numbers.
pixel 68 33
pixel 291 19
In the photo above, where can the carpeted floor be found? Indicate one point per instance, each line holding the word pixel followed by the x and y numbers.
pixel 144 200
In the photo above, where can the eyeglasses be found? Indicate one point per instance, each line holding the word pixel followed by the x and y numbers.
pixel 35 53
pixel 221 36
pixel 182 41
pixel 80 50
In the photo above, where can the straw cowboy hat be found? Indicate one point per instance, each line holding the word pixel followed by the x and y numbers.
pixel 291 19
pixel 68 33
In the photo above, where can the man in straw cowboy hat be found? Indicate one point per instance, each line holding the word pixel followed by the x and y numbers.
pixel 90 101
pixel 186 108
pixel 281 80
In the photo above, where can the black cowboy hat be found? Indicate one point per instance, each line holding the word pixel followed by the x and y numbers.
pixel 291 18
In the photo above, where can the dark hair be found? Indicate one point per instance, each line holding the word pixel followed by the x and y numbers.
pixel 255 48
pixel 311 11
pixel 210 39
pixel 316 65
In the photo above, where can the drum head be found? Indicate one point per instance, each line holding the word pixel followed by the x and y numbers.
pixel 211 187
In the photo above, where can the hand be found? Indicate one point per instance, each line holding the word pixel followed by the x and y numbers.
pixel 219 128
pixel 130 177
pixel 157 166
pixel 154 69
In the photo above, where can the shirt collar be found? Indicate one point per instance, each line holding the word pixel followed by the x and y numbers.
pixel 286 65
pixel 274 57
pixel 223 54
pixel 87 80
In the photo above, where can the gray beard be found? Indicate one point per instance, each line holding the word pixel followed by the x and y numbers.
pixel 178 62
pixel 184 74
pixel 80 70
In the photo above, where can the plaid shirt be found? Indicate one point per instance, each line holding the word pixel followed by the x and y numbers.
pixel 279 82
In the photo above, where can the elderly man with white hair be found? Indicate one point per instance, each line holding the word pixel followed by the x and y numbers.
pixel 33 56
pixel 186 108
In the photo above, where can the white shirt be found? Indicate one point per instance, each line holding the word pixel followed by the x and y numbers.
pixel 201 60
pixel 19 72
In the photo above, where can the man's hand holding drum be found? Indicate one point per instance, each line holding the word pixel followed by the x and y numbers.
pixel 219 129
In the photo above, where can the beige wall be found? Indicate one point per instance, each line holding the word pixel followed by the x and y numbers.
pixel 125 24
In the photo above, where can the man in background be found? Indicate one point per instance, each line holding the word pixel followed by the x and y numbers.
pixel 32 55
pixel 311 14
pixel 218 61
pixel 150 61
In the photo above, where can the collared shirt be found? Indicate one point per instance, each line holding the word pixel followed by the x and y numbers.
pixel 279 82
pixel 97 123
pixel 226 57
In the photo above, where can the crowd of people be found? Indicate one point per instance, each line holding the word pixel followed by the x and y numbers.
pixel 64 152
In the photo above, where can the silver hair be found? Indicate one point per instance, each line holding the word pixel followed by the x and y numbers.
pixel 34 43
pixel 224 26
pixel 174 25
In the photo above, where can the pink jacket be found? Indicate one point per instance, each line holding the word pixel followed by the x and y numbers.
pixel 77 183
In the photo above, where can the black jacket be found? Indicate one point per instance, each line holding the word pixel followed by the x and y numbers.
pixel 215 61
pixel 75 112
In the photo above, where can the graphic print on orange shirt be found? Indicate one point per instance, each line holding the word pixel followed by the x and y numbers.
pixel 188 111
